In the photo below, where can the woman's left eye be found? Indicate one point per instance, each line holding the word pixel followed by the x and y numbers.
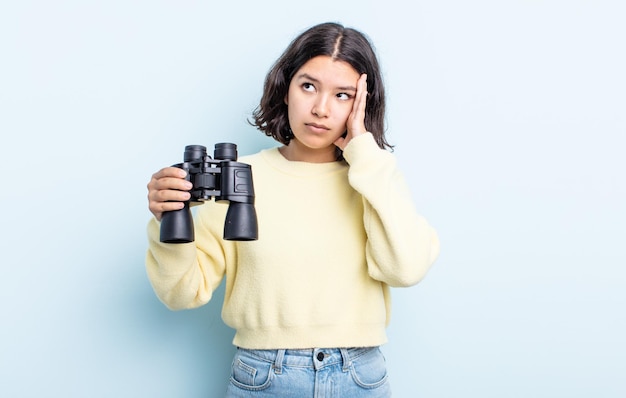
pixel 344 96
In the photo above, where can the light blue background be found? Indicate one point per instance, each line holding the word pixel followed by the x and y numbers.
pixel 509 120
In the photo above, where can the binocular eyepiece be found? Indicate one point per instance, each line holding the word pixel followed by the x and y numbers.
pixel 222 178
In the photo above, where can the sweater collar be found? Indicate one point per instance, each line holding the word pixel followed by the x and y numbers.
pixel 278 161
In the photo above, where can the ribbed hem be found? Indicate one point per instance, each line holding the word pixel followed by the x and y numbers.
pixel 311 337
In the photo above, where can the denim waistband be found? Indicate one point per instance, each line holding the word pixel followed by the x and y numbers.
pixel 315 358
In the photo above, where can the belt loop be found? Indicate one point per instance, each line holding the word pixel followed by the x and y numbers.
pixel 278 362
pixel 346 359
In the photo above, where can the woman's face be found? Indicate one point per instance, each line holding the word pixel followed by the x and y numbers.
pixel 319 101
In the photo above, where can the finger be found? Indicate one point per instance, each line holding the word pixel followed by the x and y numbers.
pixel 340 143
pixel 357 122
pixel 158 208
pixel 167 183
pixel 361 101
pixel 170 172
pixel 168 195
pixel 160 201
pixel 169 178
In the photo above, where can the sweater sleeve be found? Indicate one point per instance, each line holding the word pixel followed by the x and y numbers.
pixel 184 275
pixel 401 245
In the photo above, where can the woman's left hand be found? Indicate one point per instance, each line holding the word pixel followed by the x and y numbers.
pixel 355 124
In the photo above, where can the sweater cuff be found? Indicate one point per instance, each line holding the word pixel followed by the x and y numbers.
pixel 363 149
pixel 154 229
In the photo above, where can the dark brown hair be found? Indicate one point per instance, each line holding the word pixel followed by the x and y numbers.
pixel 340 43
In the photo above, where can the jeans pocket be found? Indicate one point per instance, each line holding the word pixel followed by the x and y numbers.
pixel 250 372
pixel 370 369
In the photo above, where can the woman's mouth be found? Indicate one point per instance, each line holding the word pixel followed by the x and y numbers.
pixel 317 128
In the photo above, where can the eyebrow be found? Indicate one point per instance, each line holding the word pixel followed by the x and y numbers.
pixel 309 77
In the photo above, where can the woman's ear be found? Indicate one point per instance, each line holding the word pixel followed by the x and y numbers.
pixel 286 99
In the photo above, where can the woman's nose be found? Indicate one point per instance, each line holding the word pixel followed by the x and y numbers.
pixel 320 107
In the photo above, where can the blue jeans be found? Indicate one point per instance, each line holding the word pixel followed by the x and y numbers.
pixel 312 373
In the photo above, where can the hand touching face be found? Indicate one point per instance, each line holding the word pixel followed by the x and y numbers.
pixel 356 120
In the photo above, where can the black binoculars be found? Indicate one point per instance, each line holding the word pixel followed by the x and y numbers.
pixel 222 178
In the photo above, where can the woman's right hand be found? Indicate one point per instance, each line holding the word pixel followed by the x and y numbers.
pixel 167 190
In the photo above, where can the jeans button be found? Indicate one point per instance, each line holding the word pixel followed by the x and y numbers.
pixel 320 356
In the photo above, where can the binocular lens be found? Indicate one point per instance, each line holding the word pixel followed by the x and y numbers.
pixel 241 222
pixel 177 226
pixel 225 151
pixel 194 153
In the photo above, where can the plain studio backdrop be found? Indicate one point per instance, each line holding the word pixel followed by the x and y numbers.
pixel 509 122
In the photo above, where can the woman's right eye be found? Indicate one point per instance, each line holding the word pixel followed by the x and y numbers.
pixel 308 87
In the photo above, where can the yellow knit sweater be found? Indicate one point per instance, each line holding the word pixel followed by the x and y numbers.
pixel 332 238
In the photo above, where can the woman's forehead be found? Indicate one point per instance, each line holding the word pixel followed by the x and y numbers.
pixel 327 70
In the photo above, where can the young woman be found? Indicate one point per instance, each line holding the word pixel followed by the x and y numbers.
pixel 309 300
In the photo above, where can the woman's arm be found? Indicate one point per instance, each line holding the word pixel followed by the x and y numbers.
pixel 183 275
pixel 401 245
